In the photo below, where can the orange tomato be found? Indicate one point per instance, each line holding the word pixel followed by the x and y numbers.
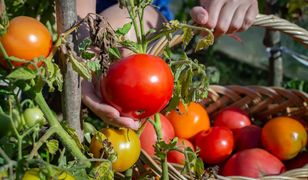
pixel 284 137
pixel 26 38
pixel 189 122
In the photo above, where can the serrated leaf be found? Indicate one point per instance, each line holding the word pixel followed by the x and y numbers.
pixel 187 36
pixel 80 68
pixel 186 85
pixel 52 146
pixel 114 51
pixel 124 29
pixel 174 102
pixel 22 73
pixel 84 44
pixel 103 171
pixel 204 43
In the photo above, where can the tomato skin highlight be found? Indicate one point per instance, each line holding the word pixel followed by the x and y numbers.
pixel 284 137
pixel 216 144
pixel 189 123
pixel 138 86
pixel 26 38
pixel 232 118
pixel 148 136
pixel 125 143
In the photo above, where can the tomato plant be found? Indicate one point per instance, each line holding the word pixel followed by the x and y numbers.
pixel 175 156
pixel 138 86
pixel 253 163
pixel 125 143
pixel 26 38
pixel 148 137
pixel 189 122
pixel 216 144
pixel 34 116
pixel 284 137
pixel 232 118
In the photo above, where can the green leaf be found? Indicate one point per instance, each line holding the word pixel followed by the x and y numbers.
pixel 55 77
pixel 52 146
pixel 84 44
pixel 22 73
pixel 80 68
pixel 174 102
pixel 114 52
pixel 187 36
pixel 124 29
pixel 103 171
pixel 162 148
pixel 87 55
pixel 94 65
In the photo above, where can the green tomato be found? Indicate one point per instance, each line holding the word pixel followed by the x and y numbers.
pixel 34 116
pixel 5 124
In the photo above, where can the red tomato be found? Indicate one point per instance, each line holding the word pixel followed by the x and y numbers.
pixel 148 136
pixel 138 86
pixel 253 163
pixel 215 144
pixel 284 137
pixel 176 156
pixel 232 118
pixel 189 122
pixel 247 137
pixel 26 38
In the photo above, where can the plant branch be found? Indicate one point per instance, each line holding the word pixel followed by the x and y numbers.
pixel 41 141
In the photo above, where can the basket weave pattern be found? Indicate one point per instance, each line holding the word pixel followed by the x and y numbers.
pixel 261 103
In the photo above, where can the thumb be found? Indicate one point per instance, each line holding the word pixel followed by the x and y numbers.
pixel 199 15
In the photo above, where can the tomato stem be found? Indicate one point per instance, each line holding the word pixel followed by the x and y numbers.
pixel 163 160
pixel 41 141
pixel 65 138
pixel 129 174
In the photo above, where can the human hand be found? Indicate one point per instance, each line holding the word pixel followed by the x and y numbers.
pixel 91 98
pixel 225 16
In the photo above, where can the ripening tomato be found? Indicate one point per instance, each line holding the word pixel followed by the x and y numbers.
pixel 284 137
pixel 125 143
pixel 34 174
pixel 216 144
pixel 232 118
pixel 148 136
pixel 138 86
pixel 26 38
pixel 176 156
pixel 189 122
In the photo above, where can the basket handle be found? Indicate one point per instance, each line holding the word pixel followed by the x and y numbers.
pixel 266 21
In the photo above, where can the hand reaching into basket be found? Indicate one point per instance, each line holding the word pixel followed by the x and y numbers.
pixel 225 16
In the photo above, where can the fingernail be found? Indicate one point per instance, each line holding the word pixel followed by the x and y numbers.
pixel 201 18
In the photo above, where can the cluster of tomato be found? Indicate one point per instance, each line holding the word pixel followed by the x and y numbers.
pixel 232 142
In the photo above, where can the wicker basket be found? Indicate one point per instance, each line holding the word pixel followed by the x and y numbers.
pixel 262 103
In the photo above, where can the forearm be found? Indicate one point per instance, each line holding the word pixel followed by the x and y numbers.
pixel 84 7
